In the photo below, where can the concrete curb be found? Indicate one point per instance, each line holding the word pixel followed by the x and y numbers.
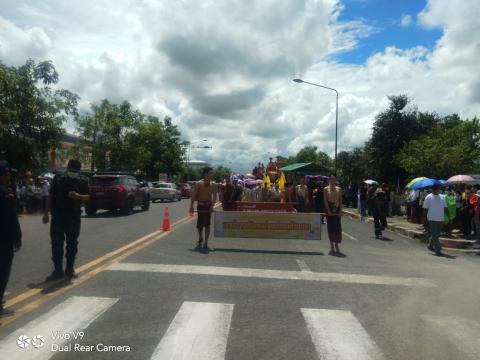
pixel 413 234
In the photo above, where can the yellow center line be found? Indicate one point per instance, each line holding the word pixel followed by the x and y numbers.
pixel 83 278
pixel 28 294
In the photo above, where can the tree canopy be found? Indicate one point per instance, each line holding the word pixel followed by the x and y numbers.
pixel 310 154
pixel 32 113
pixel 122 138
pixel 392 130
pixel 449 149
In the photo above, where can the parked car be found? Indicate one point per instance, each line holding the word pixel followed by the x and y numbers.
pixel 185 190
pixel 147 185
pixel 165 191
pixel 114 191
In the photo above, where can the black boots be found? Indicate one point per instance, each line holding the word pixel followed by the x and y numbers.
pixel 55 275
pixel 70 271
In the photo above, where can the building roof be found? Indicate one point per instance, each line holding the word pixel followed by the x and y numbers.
pixel 295 166
pixel 305 169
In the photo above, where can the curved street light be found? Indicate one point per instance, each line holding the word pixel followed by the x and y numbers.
pixel 336 113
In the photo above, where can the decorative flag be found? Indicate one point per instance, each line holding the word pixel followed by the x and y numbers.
pixel 281 181
pixel 266 180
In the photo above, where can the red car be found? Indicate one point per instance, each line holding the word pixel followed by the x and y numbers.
pixel 113 191
pixel 186 190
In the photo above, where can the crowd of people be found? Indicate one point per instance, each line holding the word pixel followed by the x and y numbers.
pixel 306 193
pixel 32 194
pixel 463 208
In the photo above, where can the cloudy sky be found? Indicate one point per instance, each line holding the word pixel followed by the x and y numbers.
pixel 223 70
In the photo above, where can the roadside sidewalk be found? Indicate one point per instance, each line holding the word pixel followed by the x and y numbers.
pixel 400 225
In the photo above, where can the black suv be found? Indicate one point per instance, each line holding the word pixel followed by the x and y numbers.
pixel 113 190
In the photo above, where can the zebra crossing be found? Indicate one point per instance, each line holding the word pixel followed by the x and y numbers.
pixel 201 330
pixel 65 322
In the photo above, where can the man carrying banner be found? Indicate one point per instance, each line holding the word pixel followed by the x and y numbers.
pixel 205 194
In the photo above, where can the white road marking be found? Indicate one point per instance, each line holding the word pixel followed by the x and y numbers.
pixel 272 274
pixel 198 331
pixel 338 335
pixel 73 315
pixel 303 265
pixel 350 236
pixel 461 331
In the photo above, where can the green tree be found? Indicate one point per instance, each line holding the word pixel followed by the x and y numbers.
pixel 393 129
pixel 160 142
pixel 313 155
pixel 220 172
pixel 353 165
pixel 31 113
pixel 108 130
pixel 446 151
pixel 122 138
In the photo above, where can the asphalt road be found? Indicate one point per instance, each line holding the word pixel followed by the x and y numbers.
pixel 247 299
pixel 99 234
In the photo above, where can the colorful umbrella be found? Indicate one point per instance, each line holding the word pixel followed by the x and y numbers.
pixel 415 180
pixel 421 184
pixel 370 182
pixel 47 175
pixel 460 179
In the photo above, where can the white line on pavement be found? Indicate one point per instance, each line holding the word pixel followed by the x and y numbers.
pixel 271 274
pixel 198 331
pixel 350 236
pixel 303 265
pixel 69 317
pixel 461 331
pixel 338 335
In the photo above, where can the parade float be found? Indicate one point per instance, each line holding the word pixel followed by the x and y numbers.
pixel 255 218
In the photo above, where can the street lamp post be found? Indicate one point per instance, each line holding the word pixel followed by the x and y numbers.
pixel 190 146
pixel 336 115
pixel 94 144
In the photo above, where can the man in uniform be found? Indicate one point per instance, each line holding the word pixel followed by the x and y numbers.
pixel 380 211
pixel 66 195
pixel 205 193
pixel 10 233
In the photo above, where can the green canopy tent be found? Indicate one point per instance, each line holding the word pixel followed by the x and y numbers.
pixel 305 169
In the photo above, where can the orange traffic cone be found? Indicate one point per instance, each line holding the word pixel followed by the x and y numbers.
pixel 166 220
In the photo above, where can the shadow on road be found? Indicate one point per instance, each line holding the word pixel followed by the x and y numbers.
pixel 110 214
pixel 446 256
pixel 279 252
pixel 50 286
pixel 385 238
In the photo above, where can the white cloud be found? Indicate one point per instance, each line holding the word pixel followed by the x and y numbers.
pixel 406 21
pixel 223 69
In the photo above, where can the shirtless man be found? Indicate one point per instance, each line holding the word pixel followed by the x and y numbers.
pixel 332 197
pixel 205 193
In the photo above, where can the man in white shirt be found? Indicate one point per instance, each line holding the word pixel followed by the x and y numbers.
pixel 436 208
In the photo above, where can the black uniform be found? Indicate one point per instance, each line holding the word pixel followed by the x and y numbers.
pixel 65 224
pixel 380 210
pixel 10 236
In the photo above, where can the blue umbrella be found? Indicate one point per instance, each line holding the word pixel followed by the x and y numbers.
pixel 426 183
